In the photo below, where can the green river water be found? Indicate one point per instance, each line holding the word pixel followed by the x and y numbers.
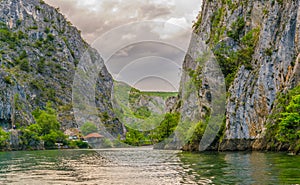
pixel 146 166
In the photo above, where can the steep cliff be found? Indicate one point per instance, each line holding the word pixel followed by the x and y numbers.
pixel 256 44
pixel 39 53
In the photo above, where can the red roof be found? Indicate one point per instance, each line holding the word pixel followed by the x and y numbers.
pixel 93 135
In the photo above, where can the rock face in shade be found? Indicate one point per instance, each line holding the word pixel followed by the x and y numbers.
pixel 273 66
pixel 39 53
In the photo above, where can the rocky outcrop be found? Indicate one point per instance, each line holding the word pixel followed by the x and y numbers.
pixel 40 51
pixel 260 38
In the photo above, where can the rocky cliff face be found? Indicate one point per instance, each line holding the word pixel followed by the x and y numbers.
pixel 256 44
pixel 39 53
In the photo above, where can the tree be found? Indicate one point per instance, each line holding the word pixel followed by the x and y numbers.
pixel 30 135
pixel 54 137
pixel 88 128
pixel 134 137
pixel 46 120
pixel 48 127
pixel 289 125
pixel 4 137
pixel 166 128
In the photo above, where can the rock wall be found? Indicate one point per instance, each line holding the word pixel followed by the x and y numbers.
pixel 261 38
pixel 40 51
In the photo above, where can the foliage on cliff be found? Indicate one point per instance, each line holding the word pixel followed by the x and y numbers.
pixel 284 126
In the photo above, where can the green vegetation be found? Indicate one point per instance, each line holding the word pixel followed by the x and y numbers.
pixel 4 137
pixel 135 137
pixel 142 112
pixel 88 128
pixel 47 130
pixel 166 128
pixel 198 132
pixel 141 117
pixel 216 24
pixel 24 65
pixel 230 61
pixel 285 121
pixel 8 80
pixel 78 144
pixel 48 126
pixel 280 2
pixel 237 28
pixel 12 39
pixel 162 132
pixel 164 95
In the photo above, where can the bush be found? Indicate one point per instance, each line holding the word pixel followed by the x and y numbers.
pixel 78 144
pixel 166 128
pixel 4 137
pixel 46 119
pixel 230 60
pixel 88 128
pixel 237 28
pixel 285 119
pixel 142 112
pixel 24 65
pixel 30 136
pixel 50 37
pixel 48 127
pixel 7 79
pixel 289 125
pixel 55 136
pixel 41 66
pixel 134 137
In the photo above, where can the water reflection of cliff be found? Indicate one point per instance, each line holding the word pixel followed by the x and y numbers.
pixel 243 167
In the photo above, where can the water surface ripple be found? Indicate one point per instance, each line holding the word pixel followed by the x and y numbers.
pixel 145 166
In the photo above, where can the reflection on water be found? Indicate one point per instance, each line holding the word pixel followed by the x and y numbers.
pixel 146 166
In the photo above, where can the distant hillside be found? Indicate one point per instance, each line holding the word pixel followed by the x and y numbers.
pixel 135 104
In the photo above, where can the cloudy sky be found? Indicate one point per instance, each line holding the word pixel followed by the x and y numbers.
pixel 143 42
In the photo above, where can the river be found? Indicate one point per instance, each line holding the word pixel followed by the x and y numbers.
pixel 147 167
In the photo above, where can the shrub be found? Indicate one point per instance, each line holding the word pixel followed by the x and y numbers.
pixel 237 28
pixel 50 37
pixel 289 125
pixel 78 144
pixel 4 137
pixel 285 119
pixel 166 128
pixel 24 65
pixel 88 128
pixel 142 112
pixel 55 136
pixel 30 135
pixel 134 137
pixel 41 66
pixel 48 126
pixel 8 80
